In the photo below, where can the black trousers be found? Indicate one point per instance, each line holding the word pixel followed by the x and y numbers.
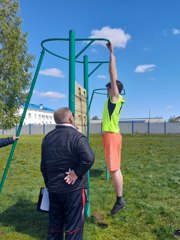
pixel 66 215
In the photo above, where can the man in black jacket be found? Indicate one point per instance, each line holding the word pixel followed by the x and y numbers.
pixel 177 233
pixel 6 141
pixel 66 158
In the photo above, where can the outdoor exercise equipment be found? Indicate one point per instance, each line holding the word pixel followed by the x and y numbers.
pixel 72 59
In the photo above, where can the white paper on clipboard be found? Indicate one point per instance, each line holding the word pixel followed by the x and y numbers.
pixel 45 200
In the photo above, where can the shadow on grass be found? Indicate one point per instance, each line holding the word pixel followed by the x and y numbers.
pixel 96 172
pixel 24 217
pixel 98 220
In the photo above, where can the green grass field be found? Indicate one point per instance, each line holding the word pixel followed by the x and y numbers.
pixel 151 169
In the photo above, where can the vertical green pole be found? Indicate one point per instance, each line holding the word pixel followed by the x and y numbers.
pixel 72 71
pixel 88 211
pixel 22 120
pixel 107 173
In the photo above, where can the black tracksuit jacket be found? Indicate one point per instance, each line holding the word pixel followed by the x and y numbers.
pixel 6 141
pixel 65 148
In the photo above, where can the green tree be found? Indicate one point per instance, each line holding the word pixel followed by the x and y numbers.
pixel 173 119
pixel 95 118
pixel 15 78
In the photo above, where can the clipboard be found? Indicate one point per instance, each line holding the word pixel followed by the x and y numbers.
pixel 43 200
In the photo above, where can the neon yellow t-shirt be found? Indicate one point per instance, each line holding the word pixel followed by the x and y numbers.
pixel 111 115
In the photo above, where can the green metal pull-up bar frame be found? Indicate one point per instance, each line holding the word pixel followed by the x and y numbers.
pixel 72 61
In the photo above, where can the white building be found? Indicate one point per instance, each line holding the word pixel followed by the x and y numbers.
pixel 37 114
pixel 177 119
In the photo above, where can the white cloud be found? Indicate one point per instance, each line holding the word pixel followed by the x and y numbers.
pixel 93 50
pixel 53 72
pixel 102 76
pixel 49 94
pixel 146 48
pixel 145 68
pixel 175 31
pixel 165 33
pixel 117 36
pixel 152 78
pixel 169 107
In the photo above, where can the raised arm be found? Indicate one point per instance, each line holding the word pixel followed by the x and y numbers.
pixel 113 73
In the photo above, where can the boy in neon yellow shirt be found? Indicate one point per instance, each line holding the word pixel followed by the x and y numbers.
pixel 112 139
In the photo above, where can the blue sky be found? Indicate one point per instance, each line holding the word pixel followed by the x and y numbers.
pixel 146 39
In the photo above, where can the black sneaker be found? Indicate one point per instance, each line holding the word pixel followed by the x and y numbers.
pixel 117 207
pixel 177 233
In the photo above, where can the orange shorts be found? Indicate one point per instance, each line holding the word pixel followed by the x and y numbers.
pixel 112 143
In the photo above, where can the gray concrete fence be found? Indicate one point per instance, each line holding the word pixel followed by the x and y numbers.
pixel 126 128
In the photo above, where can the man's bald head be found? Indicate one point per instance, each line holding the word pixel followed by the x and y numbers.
pixel 63 115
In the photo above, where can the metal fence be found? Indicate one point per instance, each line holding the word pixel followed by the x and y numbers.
pixel 141 127
pixel 126 128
